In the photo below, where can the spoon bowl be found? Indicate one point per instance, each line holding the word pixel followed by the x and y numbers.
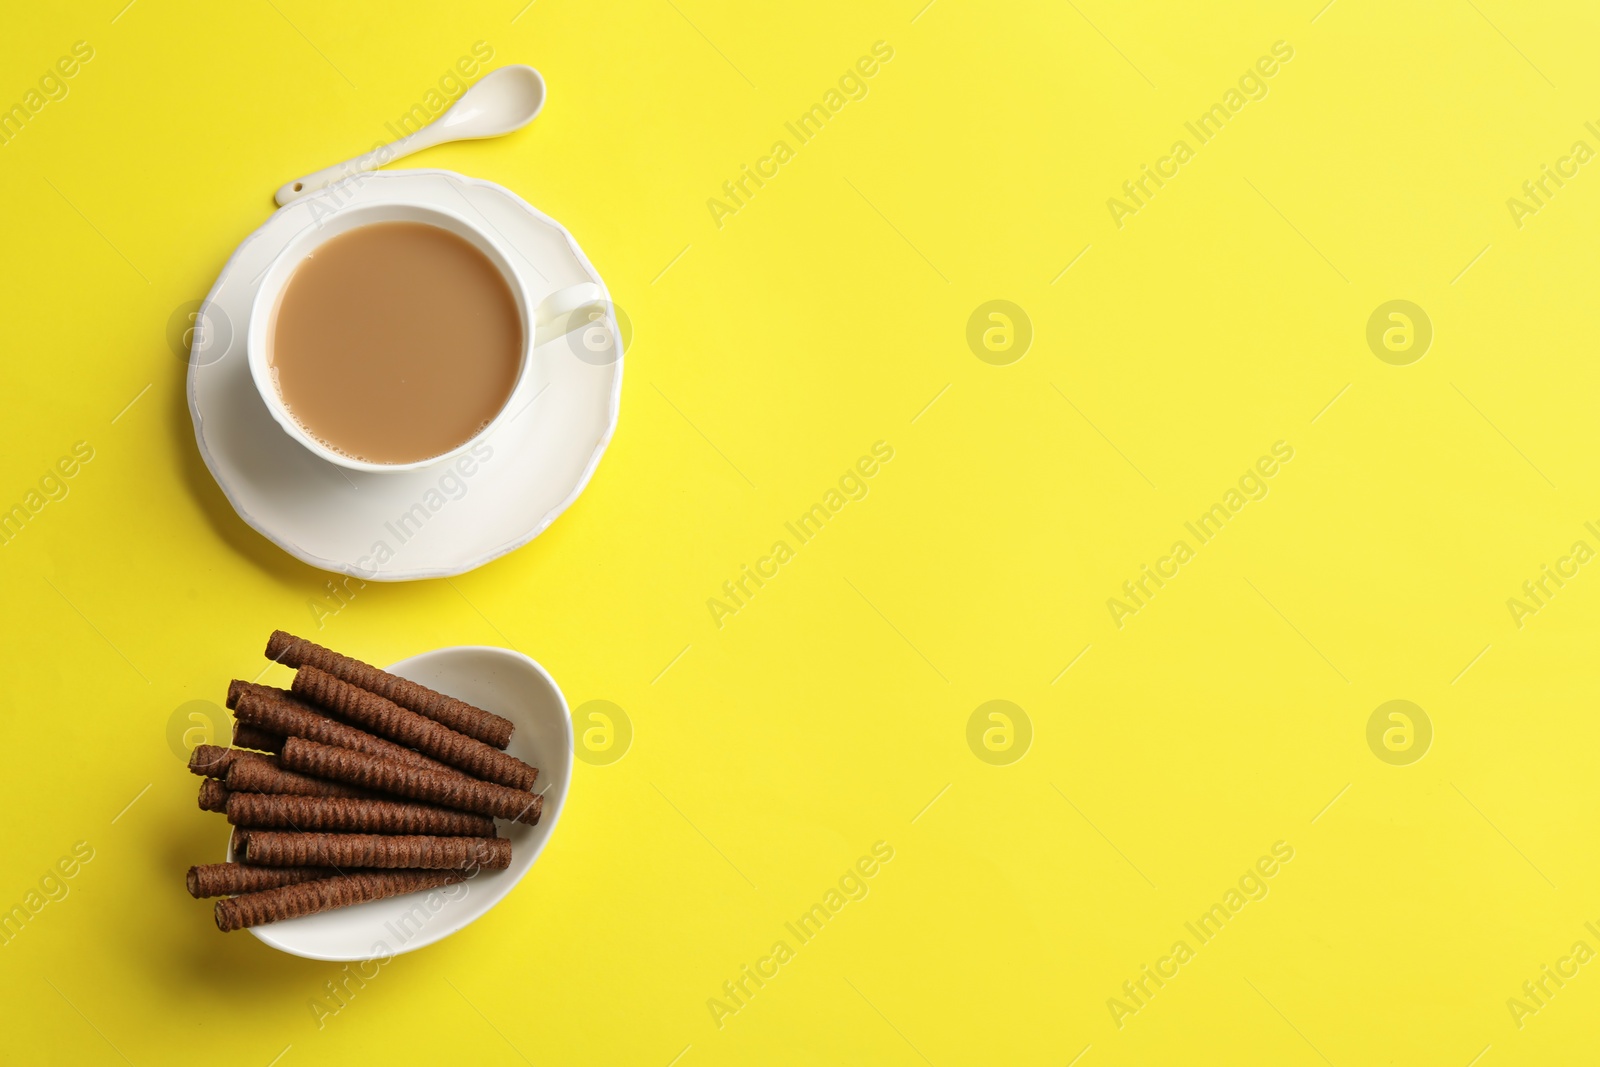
pixel 502 101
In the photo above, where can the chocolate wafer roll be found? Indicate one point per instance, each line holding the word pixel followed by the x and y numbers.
pixel 309 898
pixel 213 795
pixel 385 717
pixel 247 736
pixel 389 776
pixel 276 848
pixel 218 879
pixel 456 714
pixel 280 712
pixel 265 776
pixel 348 815
pixel 214 761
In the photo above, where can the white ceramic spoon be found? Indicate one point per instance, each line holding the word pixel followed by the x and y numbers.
pixel 502 100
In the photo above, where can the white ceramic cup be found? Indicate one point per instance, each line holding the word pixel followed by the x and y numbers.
pixel 535 303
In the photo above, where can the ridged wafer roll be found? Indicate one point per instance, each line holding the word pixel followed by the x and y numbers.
pixel 213 795
pixel 247 736
pixel 381 716
pixel 277 848
pixel 214 761
pixel 280 712
pixel 219 879
pixel 460 716
pixel 309 898
pixel 349 815
pixel 388 776
pixel 266 776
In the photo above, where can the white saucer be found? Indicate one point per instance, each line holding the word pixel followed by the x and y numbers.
pixel 506 683
pixel 438 521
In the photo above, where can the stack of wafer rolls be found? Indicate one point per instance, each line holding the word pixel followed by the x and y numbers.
pixel 351 786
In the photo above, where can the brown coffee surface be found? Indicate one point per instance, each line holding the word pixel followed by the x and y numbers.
pixel 395 342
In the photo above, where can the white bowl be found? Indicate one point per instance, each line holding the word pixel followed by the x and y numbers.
pixel 506 683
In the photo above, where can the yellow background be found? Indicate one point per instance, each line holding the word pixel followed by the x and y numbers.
pixel 825 716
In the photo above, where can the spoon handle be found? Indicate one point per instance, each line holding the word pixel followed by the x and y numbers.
pixel 377 157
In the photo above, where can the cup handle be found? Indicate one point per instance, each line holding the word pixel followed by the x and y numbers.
pixel 553 317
